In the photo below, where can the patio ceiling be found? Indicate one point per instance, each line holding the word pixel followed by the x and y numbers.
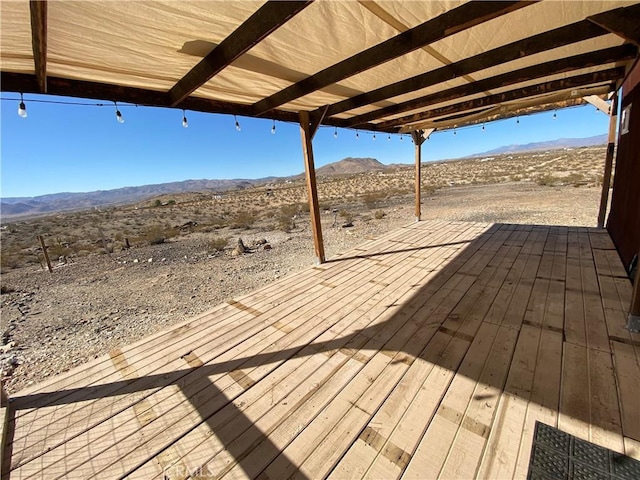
pixel 391 66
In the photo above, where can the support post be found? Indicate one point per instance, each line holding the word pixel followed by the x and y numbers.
pixel 633 322
pixel 307 132
pixel 45 253
pixel 419 136
pixel 608 163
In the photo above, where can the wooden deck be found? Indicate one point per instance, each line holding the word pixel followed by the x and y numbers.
pixel 429 352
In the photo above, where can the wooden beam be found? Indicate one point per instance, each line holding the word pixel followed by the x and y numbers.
pixel 38 10
pixel 312 190
pixel 449 23
pixel 527 106
pixel 623 21
pixel 518 93
pixel 258 26
pixel 316 119
pixel 599 103
pixel 563 65
pixel 608 163
pixel 566 35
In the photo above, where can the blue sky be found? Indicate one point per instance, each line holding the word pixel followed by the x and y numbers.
pixel 76 148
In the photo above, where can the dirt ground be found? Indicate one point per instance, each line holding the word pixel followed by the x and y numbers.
pixel 97 302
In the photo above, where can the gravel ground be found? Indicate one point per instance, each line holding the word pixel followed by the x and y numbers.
pixel 53 322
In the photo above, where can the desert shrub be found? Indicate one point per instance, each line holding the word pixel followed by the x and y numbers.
pixel 380 214
pixel 157 203
pixel 286 221
pixel 157 234
pixel 5 289
pixel 347 216
pixel 304 207
pixel 547 180
pixel 243 219
pixel 371 198
pixel 217 244
pixel 9 261
pixel 576 179
pixel 58 247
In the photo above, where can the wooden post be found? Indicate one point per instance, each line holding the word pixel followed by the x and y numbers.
pixel 417 143
pixel 104 242
pixel 419 136
pixel 608 163
pixel 633 322
pixel 307 132
pixel 46 254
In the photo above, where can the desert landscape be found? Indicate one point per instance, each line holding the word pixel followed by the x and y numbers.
pixel 124 272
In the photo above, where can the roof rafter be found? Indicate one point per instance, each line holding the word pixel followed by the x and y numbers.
pixel 258 26
pixel 624 22
pixel 566 35
pixel 449 23
pixel 486 115
pixel 576 62
pixel 38 12
pixel 577 81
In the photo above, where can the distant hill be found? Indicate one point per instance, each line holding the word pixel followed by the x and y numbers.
pixel 351 165
pixel 58 202
pixel 549 145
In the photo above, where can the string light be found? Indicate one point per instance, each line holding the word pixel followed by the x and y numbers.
pixel 22 108
pixel 389 138
pixel 401 137
pixel 185 123
pixel 119 116
pixel 483 126
pixel 454 130
pixel 237 124
pixel 555 115
pixel 273 128
pixel 518 120
pixel 357 135
pixel 335 133
pixel 374 137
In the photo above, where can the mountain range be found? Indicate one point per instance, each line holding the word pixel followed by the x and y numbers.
pixel 57 202
pixel 548 145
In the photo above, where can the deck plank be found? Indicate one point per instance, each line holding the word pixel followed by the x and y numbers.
pixel 427 352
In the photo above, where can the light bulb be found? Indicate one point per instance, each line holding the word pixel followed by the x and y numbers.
pixel 518 120
pixel 401 138
pixel 335 133
pixel 273 128
pixel 357 135
pixel 237 124
pixel 555 115
pixel 389 138
pixel 374 136
pixel 483 126
pixel 185 123
pixel 119 117
pixel 22 110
